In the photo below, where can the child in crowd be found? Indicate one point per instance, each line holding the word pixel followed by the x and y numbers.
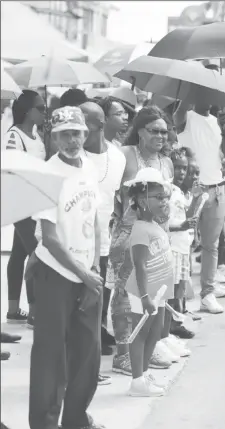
pixel 191 178
pixel 181 236
pixel 171 142
pixel 152 267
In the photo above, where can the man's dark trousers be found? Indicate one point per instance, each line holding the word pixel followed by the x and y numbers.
pixel 65 357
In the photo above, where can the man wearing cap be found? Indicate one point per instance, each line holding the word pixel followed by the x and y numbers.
pixel 65 355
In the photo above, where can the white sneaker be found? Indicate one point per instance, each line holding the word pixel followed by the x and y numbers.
pixel 219 291
pixel 162 349
pixel 144 388
pixel 220 275
pixel 176 347
pixel 210 304
pixel 151 379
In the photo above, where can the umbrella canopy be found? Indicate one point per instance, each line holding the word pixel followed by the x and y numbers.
pixel 5 64
pixel 116 59
pixel 52 71
pixel 28 185
pixel 204 41
pixel 174 78
pixel 9 89
pixel 25 35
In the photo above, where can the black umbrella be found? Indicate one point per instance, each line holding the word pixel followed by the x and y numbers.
pixel 204 41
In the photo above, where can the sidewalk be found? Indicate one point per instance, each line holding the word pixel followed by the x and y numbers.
pixel 111 406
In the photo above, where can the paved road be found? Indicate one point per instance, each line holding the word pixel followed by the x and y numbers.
pixel 196 401
pixel 202 380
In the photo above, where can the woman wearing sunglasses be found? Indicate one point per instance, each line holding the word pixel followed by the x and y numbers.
pixel 28 110
pixel 142 149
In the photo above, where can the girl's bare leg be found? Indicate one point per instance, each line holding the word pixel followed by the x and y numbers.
pixel 154 335
pixel 137 348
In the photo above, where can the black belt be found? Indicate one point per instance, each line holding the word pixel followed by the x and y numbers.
pixel 215 186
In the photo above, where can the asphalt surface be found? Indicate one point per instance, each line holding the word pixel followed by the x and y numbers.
pixel 196 400
pixel 195 386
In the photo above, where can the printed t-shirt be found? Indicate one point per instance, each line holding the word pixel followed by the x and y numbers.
pixel 66 170
pixel 180 240
pixel 159 265
pixel 74 218
pixel 17 139
pixel 202 135
pixel 110 167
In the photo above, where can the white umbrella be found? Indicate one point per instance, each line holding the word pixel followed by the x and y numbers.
pixel 54 71
pixel 117 58
pixel 9 89
pixel 28 186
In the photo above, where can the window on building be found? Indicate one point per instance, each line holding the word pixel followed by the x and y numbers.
pixel 88 18
pixel 104 25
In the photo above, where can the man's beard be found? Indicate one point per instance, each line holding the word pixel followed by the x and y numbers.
pixel 71 156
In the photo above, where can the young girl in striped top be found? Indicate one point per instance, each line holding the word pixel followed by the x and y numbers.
pixel 152 268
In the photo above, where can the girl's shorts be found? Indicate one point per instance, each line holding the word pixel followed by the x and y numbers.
pixel 181 267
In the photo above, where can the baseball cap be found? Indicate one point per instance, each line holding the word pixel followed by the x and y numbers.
pixel 147 175
pixel 68 118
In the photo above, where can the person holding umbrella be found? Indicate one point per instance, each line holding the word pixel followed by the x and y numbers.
pixel 200 132
pixel 66 351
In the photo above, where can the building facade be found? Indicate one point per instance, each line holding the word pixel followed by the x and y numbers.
pixel 199 14
pixel 79 21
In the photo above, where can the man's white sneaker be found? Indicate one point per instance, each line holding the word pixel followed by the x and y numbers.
pixel 176 347
pixel 210 304
pixel 162 349
pixel 141 387
pixel 219 291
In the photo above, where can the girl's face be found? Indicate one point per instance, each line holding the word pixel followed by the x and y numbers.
pixel 180 170
pixel 192 174
pixel 154 135
pixel 155 201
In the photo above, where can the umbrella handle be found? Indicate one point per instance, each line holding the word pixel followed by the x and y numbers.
pixel 133 83
pixel 221 68
pixel 46 140
pixel 46 100
pixel 175 104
